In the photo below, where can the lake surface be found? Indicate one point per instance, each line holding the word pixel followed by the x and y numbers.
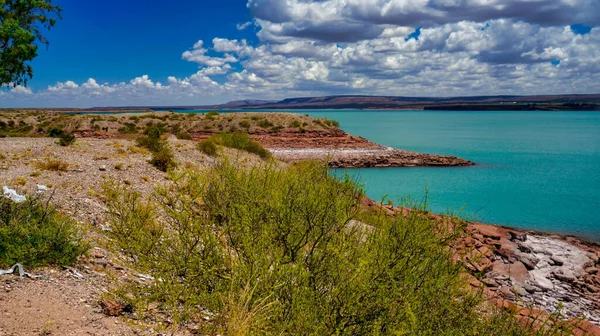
pixel 535 170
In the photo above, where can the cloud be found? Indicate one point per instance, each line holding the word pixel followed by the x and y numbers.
pixel 309 48
pixel 242 26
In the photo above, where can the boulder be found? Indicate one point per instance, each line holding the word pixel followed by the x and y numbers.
pixel 557 260
pixel 488 231
pixel 530 262
pixel 564 275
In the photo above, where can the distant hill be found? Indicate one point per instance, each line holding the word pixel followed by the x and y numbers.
pixel 583 102
pixel 548 102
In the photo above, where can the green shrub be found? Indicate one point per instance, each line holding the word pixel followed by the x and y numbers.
pixel 295 124
pixel 245 124
pixel 265 123
pixel 163 159
pixel 55 132
pixel 212 115
pixel 183 135
pixel 332 123
pixel 152 140
pixel 241 141
pixel 275 251
pixel 208 147
pixel 66 139
pixel 34 234
pixel 128 128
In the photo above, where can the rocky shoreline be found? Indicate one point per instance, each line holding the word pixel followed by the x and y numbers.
pixel 549 272
pixel 532 273
pixel 367 158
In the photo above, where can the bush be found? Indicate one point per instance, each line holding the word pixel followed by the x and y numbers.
pixel 182 135
pixel 34 234
pixel 128 128
pixel 66 139
pixel 55 132
pixel 332 123
pixel 295 124
pixel 212 115
pixel 265 123
pixel 152 140
pixel 241 141
pixel 245 124
pixel 278 251
pixel 208 147
pixel 163 159
pixel 53 165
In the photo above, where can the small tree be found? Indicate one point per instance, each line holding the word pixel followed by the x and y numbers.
pixel 21 23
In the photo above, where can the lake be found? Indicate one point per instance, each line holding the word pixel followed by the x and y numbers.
pixel 535 170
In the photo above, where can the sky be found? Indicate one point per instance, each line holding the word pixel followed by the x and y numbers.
pixel 197 52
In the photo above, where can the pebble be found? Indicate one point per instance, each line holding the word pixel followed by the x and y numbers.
pixel 102 168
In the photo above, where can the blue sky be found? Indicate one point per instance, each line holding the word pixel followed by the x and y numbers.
pixel 115 40
pixel 185 52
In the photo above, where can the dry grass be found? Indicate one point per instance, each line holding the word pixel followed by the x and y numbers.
pixel 53 165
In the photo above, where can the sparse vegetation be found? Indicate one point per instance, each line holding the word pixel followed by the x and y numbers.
pixel 208 147
pixel 128 128
pixel 241 141
pixel 66 139
pixel 183 135
pixel 35 234
pixel 53 165
pixel 212 115
pixel 163 159
pixel 265 123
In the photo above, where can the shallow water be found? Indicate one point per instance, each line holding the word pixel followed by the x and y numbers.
pixel 535 170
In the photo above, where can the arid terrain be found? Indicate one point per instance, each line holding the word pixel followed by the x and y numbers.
pixel 525 269
pixel 291 137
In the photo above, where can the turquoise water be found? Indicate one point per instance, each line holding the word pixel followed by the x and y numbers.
pixel 535 170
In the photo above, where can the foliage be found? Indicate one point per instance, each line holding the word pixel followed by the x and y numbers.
pixel 265 123
pixel 183 135
pixel 162 155
pixel 53 165
pixel 245 124
pixel 66 139
pixel 212 115
pixel 35 234
pixel 277 251
pixel 332 123
pixel 152 140
pixel 163 159
pixel 295 124
pixel 21 24
pixel 208 147
pixel 128 128
pixel 241 141
pixel 55 132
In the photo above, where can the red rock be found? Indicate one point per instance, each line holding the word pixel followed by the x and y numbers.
pixel 518 272
pixel 587 328
pixel 111 307
pixel 478 237
pixel 591 270
pixel 488 231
